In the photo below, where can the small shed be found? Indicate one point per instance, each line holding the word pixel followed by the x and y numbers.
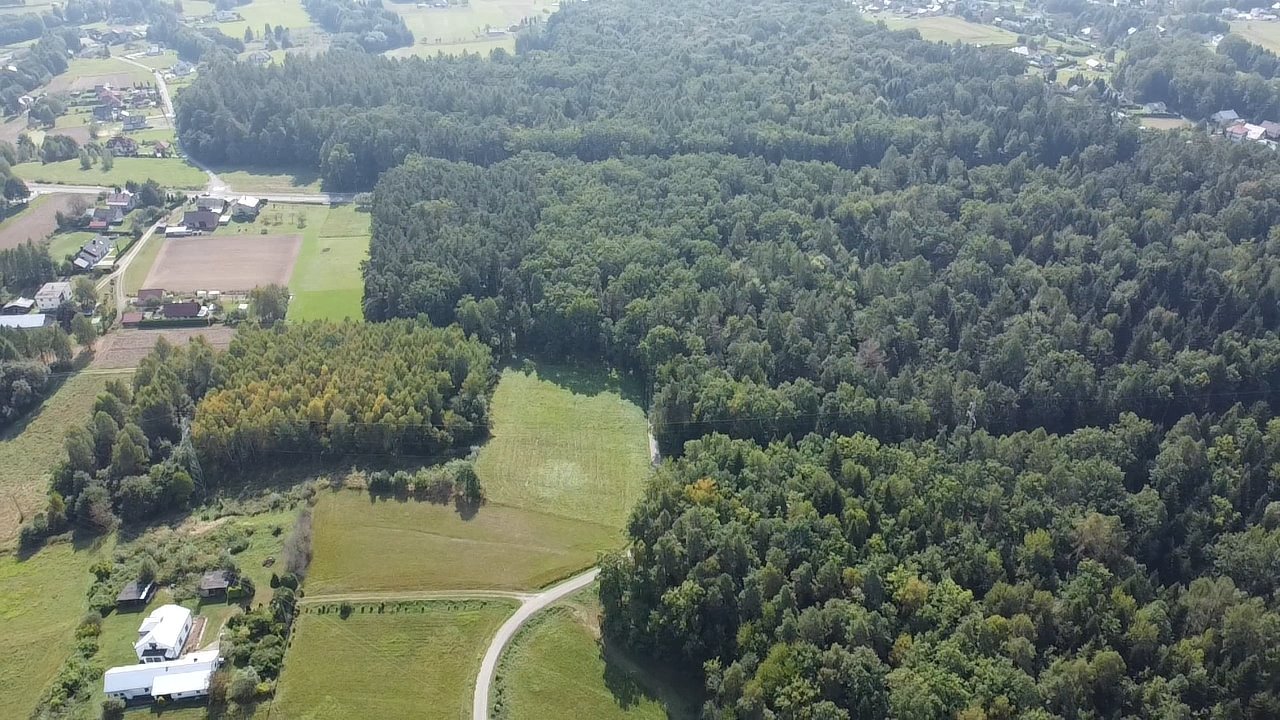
pixel 135 595
pixel 215 583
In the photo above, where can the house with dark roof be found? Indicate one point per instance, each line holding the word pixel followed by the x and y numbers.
pixel 124 199
pixel 131 319
pixel 161 149
pixel 135 595
pixel 92 252
pixel 181 310
pixel 103 217
pixel 134 122
pixel 121 146
pixel 215 583
pixel 19 306
pixel 151 295
pixel 201 219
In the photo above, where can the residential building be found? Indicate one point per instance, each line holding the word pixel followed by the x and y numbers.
pixel 1224 117
pixel 163 633
pixel 1272 129
pixel 246 207
pixel 92 253
pixel 208 202
pixel 133 122
pixel 260 57
pixel 178 679
pixel 124 199
pixel 148 295
pixel 121 146
pixel 51 295
pixel 18 306
pixel 181 310
pixel 200 220
pixel 161 149
pixel 104 113
pixel 131 319
pixel 25 322
pixel 102 217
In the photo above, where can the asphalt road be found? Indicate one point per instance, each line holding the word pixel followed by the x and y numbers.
pixel 489 666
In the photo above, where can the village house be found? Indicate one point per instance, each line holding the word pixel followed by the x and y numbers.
pixel 124 199
pixel 18 306
pixel 102 217
pixel 163 633
pixel 200 220
pixel 260 57
pixel 131 319
pixel 215 583
pixel 92 253
pixel 182 310
pixel 213 204
pixel 182 68
pixel 121 146
pixel 151 295
pixel 134 122
pixel 104 113
pixel 179 679
pixel 1224 117
pixel 246 207
pixel 161 149
pixel 51 295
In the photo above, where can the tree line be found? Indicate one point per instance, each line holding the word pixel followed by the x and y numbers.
pixel 193 416
pixel 367 26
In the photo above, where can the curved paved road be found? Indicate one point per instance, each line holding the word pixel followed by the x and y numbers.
pixel 484 681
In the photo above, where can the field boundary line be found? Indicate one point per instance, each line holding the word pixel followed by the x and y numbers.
pixel 411 595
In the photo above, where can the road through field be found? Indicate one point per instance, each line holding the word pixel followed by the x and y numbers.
pixel 489 666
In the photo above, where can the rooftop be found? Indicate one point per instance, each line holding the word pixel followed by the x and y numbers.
pixel 136 590
pixel 23 321
pixel 162 627
pixel 187 673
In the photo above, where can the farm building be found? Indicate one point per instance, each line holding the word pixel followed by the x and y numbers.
pixel 131 319
pixel 51 295
pixel 187 677
pixel 182 310
pixel 215 583
pixel 1224 117
pixel 135 595
pixel 176 231
pixel 212 204
pixel 25 322
pixel 19 306
pixel 146 295
pixel 163 633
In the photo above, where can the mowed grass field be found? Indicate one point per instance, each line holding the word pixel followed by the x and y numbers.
pixel 557 661
pixel 409 660
pixel 565 442
pixel 1266 34
pixel 950 29
pixel 387 546
pixel 33 445
pixel 268 180
pixel 42 599
pixel 461 28
pixel 326 282
pixel 169 172
pixel 287 13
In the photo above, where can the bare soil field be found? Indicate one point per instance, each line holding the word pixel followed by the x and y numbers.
pixel 125 348
pixel 227 263
pixel 35 222
pixel 71 82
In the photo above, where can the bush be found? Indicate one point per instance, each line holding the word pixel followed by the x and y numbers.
pixel 345 610
pixel 112 709
pixel 244 685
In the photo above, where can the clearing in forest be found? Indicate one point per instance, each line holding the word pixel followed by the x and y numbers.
pixel 557 661
pixel 326 282
pixel 463 28
pixel 387 660
pixel 225 263
pixel 950 29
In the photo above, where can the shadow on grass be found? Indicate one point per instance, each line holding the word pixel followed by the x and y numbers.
pixel 631 679
pixel 588 379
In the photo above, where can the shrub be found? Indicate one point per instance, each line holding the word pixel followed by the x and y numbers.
pixel 112 709
pixel 244 685
pixel 345 610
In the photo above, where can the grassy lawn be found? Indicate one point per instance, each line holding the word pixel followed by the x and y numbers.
pixel 1163 123
pixel 950 29
pixel 87 67
pixel 288 13
pixel 557 661
pixel 62 244
pixel 1266 34
pixel 169 172
pixel 461 29
pixel 361 545
pixel 269 180
pixel 407 660
pixel 565 442
pixel 326 281
pixel 31 446
pixel 136 274
pixel 42 600
pixel 162 61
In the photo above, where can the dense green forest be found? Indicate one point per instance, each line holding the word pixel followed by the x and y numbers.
pixel 364 25
pixel 193 417
pixel 808 81
pixel 1106 573
pixel 1196 81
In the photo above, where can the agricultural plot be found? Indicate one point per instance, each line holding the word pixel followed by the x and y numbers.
pixel 387 661
pixel 326 282
pixel 558 661
pixel 268 180
pixel 1266 34
pixel 566 442
pixel 1156 123
pixel 462 28
pixel 41 603
pixel 169 172
pixel 951 29
pixel 126 348
pixel 387 546
pixel 226 263
pixel 32 445
pixel 286 13
pixel 34 222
